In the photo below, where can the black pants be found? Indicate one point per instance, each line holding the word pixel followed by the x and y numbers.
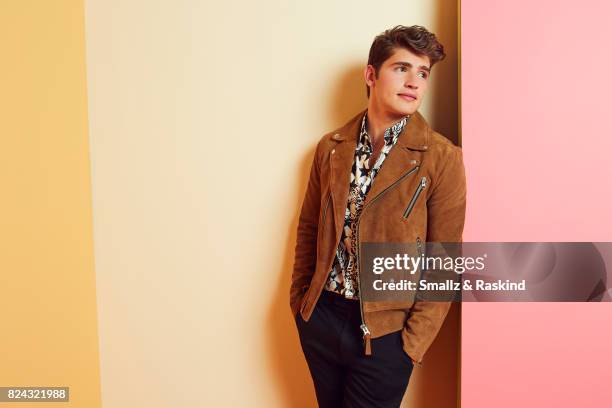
pixel 343 375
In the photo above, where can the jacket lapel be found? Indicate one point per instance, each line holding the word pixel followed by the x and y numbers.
pixel 400 160
pixel 341 159
pixel 414 136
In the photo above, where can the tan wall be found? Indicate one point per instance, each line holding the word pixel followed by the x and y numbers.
pixel 47 284
pixel 203 122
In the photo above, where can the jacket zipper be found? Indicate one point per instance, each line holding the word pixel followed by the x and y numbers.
pixel 419 248
pixel 325 209
pixel 364 328
pixel 421 253
pixel 415 196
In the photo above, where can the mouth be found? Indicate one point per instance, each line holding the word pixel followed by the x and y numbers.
pixel 407 96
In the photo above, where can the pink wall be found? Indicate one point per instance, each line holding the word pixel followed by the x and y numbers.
pixel 537 140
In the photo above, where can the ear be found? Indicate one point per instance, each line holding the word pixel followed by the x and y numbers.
pixel 369 75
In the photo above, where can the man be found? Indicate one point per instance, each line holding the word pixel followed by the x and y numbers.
pixel 385 176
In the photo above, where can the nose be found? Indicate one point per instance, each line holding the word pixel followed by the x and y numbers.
pixel 410 82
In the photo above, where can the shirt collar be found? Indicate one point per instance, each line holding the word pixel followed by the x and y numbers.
pixel 390 134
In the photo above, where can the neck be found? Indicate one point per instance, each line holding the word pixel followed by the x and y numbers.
pixel 379 120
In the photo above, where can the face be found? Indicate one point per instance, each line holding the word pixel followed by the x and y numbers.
pixel 401 84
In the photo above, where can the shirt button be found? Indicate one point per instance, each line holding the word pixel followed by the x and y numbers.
pixel 413 161
pixel 333 151
pixel 337 136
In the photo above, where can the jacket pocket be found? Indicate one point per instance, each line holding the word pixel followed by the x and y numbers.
pixel 415 196
pixel 322 222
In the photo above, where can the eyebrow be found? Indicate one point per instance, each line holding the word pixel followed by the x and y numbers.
pixel 407 64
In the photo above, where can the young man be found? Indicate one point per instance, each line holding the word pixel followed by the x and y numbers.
pixel 385 176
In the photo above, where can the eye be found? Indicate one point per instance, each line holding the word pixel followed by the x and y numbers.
pixel 423 74
pixel 401 68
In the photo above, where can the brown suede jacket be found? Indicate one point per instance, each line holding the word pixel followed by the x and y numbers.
pixel 423 177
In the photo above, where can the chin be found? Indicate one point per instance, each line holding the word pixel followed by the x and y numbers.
pixel 405 110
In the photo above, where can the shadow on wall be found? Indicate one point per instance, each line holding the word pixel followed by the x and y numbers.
pixel 436 384
pixel 346 100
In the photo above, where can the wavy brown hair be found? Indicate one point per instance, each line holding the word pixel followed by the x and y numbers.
pixel 416 39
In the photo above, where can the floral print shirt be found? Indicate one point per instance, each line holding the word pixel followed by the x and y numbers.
pixel 343 277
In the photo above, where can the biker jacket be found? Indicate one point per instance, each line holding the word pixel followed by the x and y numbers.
pixel 418 195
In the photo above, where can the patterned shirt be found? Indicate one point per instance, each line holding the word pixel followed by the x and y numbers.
pixel 343 276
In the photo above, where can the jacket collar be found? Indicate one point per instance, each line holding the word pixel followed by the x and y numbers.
pixel 414 136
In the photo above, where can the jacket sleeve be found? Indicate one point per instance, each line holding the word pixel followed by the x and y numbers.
pixel 445 219
pixel 306 242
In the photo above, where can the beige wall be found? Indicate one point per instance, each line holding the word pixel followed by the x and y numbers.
pixel 203 121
